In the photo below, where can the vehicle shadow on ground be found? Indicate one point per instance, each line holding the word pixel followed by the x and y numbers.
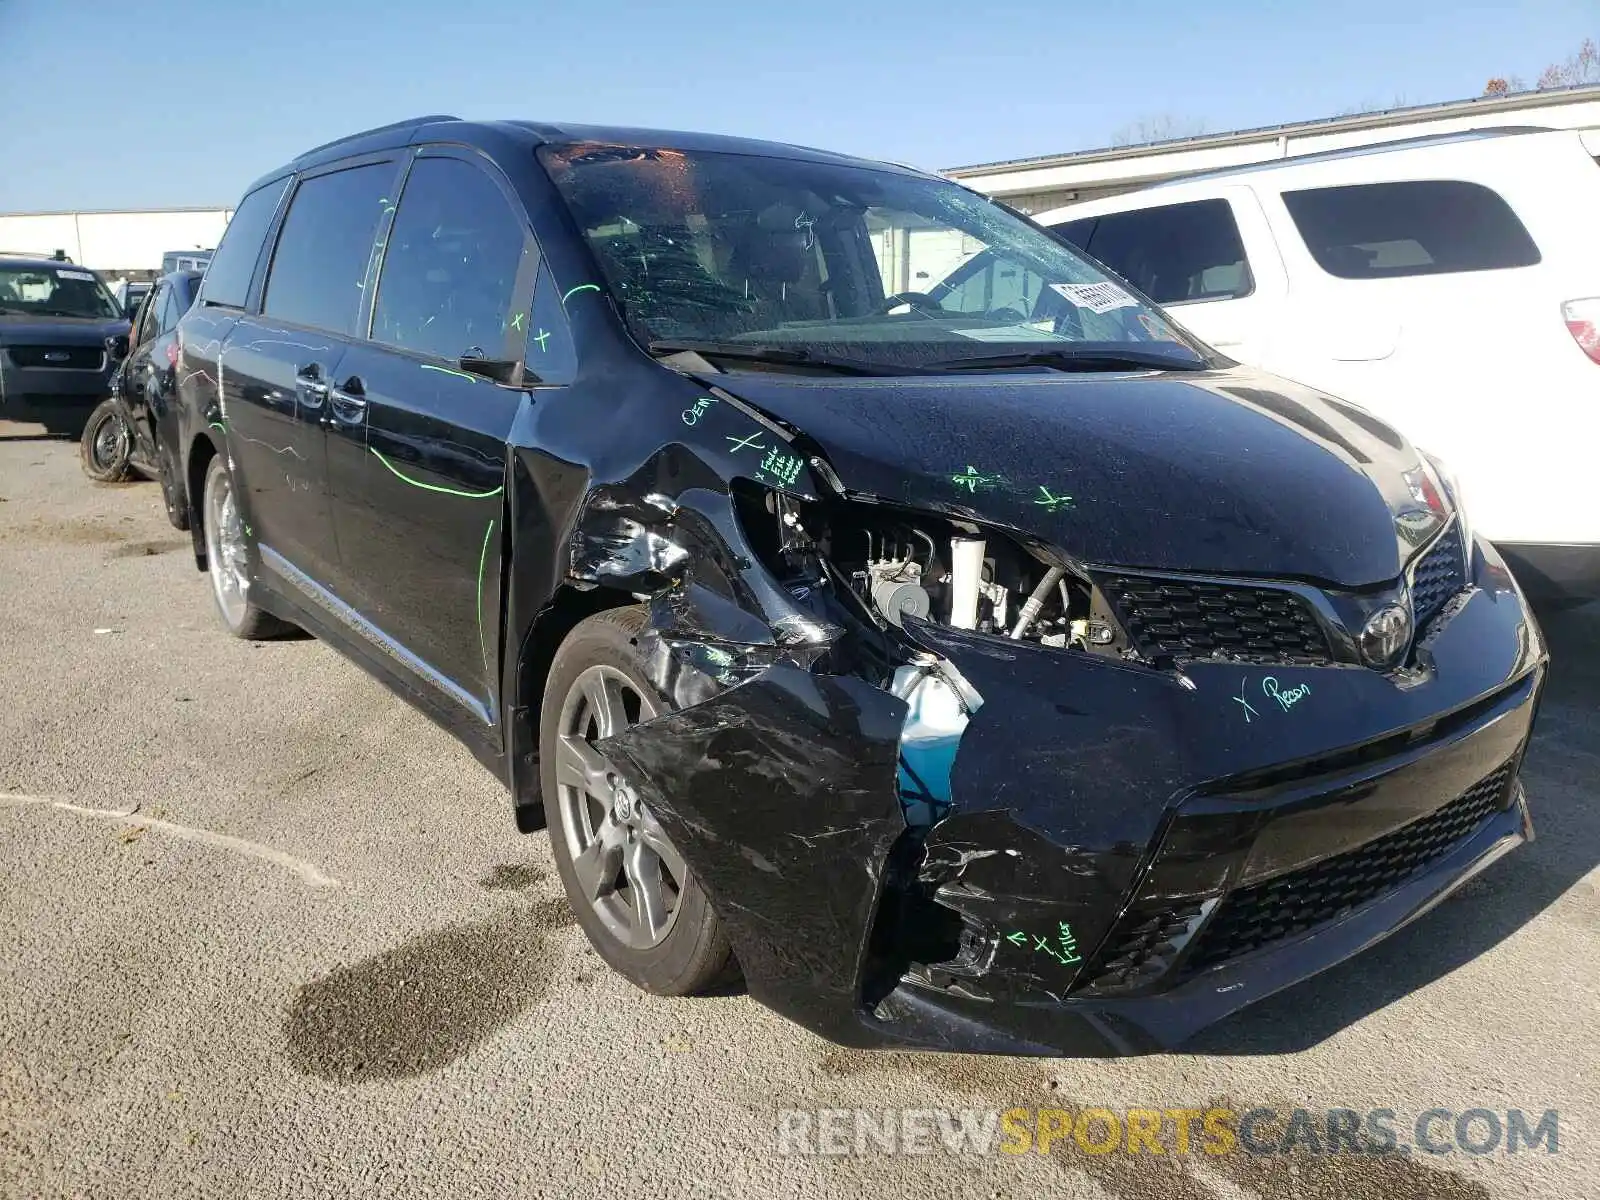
pixel 34 437
pixel 1562 775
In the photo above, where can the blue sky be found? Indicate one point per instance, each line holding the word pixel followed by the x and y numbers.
pixel 184 102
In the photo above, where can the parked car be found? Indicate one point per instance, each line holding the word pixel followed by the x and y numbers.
pixel 1450 284
pixel 129 295
pixel 185 260
pixel 1052 686
pixel 56 319
pixel 135 428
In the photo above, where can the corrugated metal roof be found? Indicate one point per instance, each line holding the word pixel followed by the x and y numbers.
pixel 1373 120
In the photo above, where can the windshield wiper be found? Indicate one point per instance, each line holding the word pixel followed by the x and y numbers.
pixel 1068 358
pixel 794 356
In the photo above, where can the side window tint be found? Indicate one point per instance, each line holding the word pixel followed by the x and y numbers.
pixel 320 265
pixel 1077 232
pixel 1176 253
pixel 551 355
pixel 450 270
pixel 1418 227
pixel 228 278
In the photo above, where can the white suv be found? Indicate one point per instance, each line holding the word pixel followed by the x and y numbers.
pixel 1450 284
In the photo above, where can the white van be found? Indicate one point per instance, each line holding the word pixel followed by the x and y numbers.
pixel 1449 284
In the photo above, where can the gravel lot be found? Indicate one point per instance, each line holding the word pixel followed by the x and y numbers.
pixel 318 959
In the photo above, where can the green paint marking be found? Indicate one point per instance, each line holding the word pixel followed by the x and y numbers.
pixel 542 337
pixel 582 287
pixel 219 427
pixel 433 487
pixel 516 321
pixel 483 557
pixel 470 378
pixel 1051 503
pixel 1064 952
pixel 782 469
pixel 748 443
pixel 973 479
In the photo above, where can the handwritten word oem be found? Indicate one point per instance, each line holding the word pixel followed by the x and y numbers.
pixel 692 415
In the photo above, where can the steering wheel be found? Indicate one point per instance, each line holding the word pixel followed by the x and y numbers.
pixel 920 301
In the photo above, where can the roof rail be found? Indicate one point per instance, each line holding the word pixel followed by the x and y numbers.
pixel 391 126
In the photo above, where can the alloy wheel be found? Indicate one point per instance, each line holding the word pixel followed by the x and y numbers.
pixel 225 548
pixel 626 867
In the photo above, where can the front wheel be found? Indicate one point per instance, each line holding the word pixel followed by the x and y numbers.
pixel 107 443
pixel 227 560
pixel 643 910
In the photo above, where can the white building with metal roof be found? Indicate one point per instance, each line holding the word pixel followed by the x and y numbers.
pixel 1037 184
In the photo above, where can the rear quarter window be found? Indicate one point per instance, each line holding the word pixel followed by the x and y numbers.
pixel 228 279
pixel 1414 227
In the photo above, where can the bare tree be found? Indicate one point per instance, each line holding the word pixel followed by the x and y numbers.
pixel 1164 128
pixel 1582 67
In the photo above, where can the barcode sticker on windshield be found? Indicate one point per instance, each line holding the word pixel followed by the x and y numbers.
pixel 86 276
pixel 1096 297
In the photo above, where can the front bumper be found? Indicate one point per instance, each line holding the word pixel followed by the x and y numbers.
pixel 1129 854
pixel 37 388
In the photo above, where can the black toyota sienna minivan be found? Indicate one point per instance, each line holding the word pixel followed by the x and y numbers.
pixel 968 659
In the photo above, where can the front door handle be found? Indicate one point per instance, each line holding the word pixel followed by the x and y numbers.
pixel 349 402
pixel 311 385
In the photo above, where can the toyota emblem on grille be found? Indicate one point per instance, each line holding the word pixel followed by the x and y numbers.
pixel 1386 634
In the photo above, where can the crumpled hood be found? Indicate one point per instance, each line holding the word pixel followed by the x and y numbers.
pixel 59 331
pixel 1230 472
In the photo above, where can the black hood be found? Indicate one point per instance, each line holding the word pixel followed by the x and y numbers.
pixel 1229 472
pixel 31 330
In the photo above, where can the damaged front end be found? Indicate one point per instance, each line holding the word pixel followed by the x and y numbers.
pixel 949 787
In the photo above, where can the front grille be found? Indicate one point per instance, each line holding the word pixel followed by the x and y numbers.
pixel 76 358
pixel 1439 576
pixel 1141 948
pixel 1183 619
pixel 1301 900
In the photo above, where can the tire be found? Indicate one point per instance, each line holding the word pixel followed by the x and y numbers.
pixel 106 445
pixel 228 559
pixel 688 951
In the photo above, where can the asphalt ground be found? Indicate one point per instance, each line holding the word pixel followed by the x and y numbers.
pixel 265 931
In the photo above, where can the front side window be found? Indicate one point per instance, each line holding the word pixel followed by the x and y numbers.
pixel 550 356
pixel 320 265
pixel 228 279
pixel 451 265
pixel 55 292
pixel 877 265
pixel 1415 227
pixel 1175 254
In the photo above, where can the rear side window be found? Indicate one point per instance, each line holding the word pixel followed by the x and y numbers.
pixel 228 279
pixel 450 270
pixel 320 265
pixel 1174 254
pixel 1418 227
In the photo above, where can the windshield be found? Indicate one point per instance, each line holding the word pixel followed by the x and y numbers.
pixel 873 266
pixel 54 292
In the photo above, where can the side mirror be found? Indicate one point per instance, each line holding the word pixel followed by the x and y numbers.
pixel 501 370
